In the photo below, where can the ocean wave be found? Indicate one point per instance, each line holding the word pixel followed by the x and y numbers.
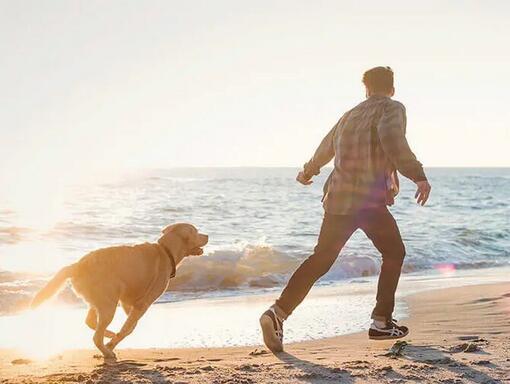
pixel 13 235
pixel 223 270
pixel 17 291
pixel 253 266
pixel 257 266
pixel 459 229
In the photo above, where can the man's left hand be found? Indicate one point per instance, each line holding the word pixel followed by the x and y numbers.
pixel 303 178
pixel 423 192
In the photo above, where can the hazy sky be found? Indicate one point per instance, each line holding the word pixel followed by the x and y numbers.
pixel 95 85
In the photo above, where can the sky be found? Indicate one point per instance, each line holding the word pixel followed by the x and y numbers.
pixel 91 86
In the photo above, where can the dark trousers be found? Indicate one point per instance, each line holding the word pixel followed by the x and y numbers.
pixel 380 227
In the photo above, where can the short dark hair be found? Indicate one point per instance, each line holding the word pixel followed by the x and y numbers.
pixel 379 79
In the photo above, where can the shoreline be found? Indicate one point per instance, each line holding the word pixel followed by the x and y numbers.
pixel 441 321
pixel 330 310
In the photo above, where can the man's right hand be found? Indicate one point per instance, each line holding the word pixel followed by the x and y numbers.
pixel 423 192
pixel 303 178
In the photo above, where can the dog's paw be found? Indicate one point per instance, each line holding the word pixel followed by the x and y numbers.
pixel 109 356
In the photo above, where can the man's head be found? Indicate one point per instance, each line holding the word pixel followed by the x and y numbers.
pixel 379 81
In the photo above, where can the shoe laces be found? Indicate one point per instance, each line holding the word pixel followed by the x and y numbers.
pixel 279 325
pixel 392 322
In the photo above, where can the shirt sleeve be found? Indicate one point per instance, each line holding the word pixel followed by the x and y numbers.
pixel 323 155
pixel 391 130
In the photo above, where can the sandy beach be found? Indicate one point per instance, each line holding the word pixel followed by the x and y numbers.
pixel 458 335
pixel 170 170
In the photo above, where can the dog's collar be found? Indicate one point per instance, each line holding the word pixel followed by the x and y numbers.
pixel 167 252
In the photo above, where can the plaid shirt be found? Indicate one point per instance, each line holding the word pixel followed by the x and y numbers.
pixel 369 145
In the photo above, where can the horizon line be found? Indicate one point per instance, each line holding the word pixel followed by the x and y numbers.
pixel 326 167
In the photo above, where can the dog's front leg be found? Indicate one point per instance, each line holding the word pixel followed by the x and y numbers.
pixel 129 325
pixel 155 290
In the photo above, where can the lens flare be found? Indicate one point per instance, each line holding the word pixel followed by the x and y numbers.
pixel 446 269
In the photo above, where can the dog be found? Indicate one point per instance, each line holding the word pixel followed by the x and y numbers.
pixel 135 276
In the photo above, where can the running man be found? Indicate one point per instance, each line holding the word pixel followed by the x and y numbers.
pixel 368 145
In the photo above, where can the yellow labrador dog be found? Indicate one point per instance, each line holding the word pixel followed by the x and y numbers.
pixel 135 276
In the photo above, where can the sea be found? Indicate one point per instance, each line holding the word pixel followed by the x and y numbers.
pixel 261 224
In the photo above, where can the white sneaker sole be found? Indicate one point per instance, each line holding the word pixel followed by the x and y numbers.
pixel 270 339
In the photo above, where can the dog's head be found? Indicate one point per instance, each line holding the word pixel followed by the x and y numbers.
pixel 183 239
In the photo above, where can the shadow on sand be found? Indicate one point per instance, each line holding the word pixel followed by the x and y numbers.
pixel 417 363
pixel 113 371
pixel 313 372
pixel 440 359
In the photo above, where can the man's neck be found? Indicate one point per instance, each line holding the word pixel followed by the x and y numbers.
pixel 379 95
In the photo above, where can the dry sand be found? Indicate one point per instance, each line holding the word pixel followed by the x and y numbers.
pixel 444 323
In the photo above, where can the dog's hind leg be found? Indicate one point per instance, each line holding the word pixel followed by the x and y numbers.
pixel 91 321
pixel 105 314
pixel 129 325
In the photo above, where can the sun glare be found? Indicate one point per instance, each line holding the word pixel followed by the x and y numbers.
pixel 36 202
pixel 44 332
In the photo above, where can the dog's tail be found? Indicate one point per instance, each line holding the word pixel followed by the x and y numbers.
pixel 52 287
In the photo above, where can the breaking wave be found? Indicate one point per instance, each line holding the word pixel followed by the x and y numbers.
pixel 220 271
pixel 256 266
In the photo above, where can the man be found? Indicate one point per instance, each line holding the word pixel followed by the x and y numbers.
pixel 368 144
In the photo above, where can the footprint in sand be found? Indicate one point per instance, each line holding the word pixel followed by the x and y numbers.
pixel 485 300
pixel 132 362
pixel 167 359
pixel 469 337
pixel 258 352
pixel 21 361
pixel 248 367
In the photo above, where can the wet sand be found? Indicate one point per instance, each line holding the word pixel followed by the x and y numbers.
pixel 458 335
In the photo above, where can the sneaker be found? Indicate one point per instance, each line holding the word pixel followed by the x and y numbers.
pixel 390 331
pixel 272 330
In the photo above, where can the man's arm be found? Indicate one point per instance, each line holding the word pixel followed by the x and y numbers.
pixel 323 155
pixel 391 130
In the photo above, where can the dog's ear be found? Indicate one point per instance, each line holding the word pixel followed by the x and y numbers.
pixel 172 241
pixel 167 229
